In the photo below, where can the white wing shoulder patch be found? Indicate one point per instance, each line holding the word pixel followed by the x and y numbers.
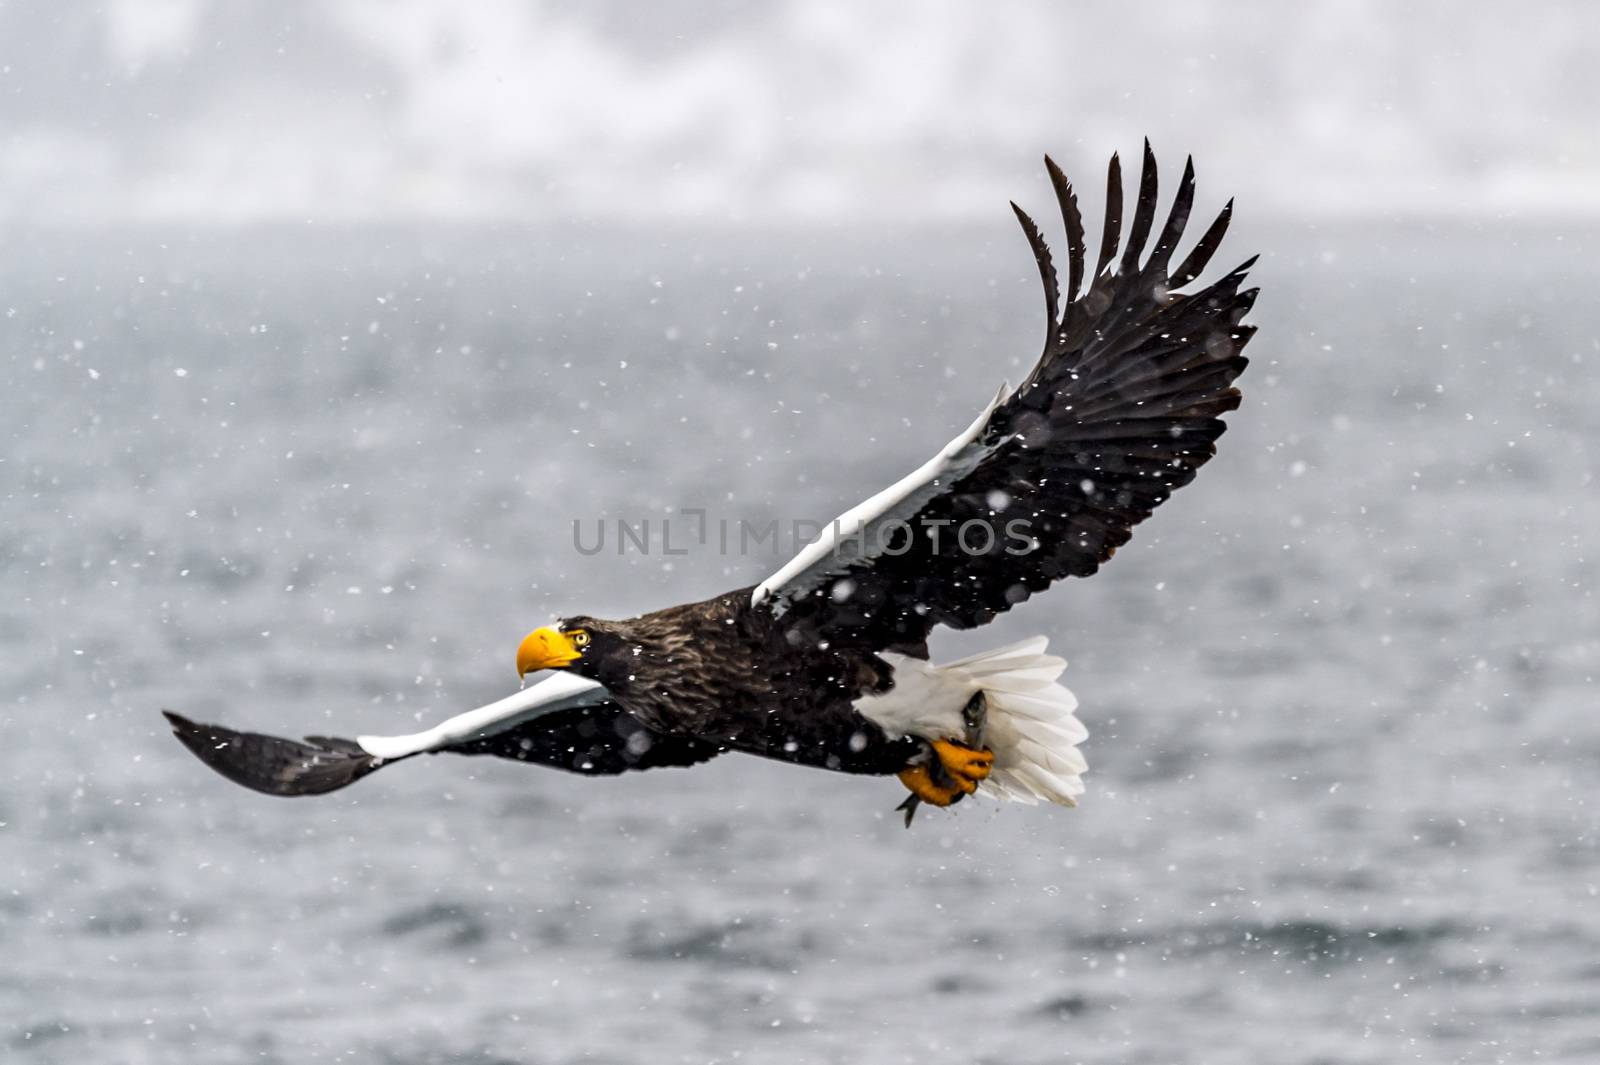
pixel 560 691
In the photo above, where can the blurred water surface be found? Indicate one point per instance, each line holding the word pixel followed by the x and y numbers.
pixel 1341 692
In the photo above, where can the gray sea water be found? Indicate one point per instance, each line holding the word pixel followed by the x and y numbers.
pixel 1342 691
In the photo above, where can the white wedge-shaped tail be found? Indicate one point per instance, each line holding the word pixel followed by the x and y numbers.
pixel 1031 724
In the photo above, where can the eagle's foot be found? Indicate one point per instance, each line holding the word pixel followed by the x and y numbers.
pixel 920 783
pixel 958 773
pixel 966 767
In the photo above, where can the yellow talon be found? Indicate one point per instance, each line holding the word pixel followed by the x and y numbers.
pixel 965 765
pixel 962 767
pixel 919 782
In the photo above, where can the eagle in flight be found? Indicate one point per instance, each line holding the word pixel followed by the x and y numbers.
pixel 825 663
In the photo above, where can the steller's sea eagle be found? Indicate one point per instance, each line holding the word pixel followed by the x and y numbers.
pixel 825 663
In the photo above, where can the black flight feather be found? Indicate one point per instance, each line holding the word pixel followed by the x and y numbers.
pixel 1112 233
pixel 1197 259
pixel 1144 214
pixel 273 765
pixel 1120 411
pixel 1073 221
pixel 1177 218
pixel 1047 269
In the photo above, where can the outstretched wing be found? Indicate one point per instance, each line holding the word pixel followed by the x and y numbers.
pixel 600 740
pixel 1122 409
pixel 564 721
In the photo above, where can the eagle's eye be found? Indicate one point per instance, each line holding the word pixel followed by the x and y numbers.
pixel 579 638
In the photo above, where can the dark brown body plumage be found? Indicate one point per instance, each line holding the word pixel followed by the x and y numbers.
pixel 724 672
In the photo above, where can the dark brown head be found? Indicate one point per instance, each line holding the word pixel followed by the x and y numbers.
pixel 589 647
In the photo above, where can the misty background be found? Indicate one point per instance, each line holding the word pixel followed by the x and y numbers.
pixel 307 111
pixel 321 323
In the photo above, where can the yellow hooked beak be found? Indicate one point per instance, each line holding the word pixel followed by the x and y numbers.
pixel 545 648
